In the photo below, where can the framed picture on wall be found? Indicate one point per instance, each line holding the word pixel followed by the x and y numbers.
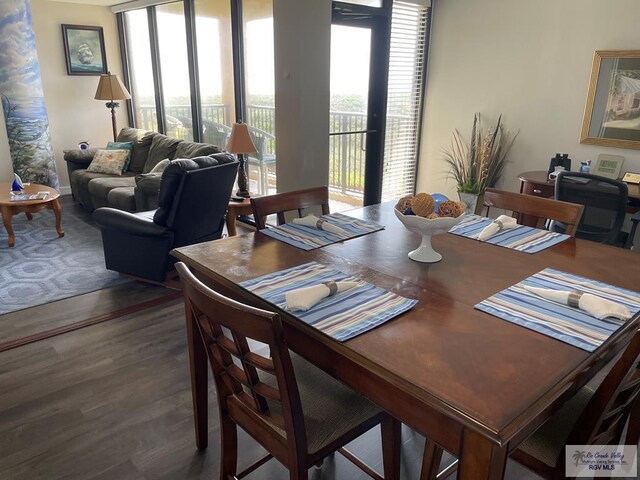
pixel 612 112
pixel 84 50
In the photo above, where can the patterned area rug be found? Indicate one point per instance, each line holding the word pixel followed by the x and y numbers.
pixel 42 267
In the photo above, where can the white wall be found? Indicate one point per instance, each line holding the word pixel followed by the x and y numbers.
pixel 74 115
pixel 302 50
pixel 530 61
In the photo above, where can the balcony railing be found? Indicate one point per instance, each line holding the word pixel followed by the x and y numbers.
pixel 346 151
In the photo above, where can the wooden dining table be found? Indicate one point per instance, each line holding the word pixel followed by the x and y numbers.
pixel 475 384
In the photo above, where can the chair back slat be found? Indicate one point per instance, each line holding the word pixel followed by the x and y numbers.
pixel 281 203
pixel 542 208
pixel 236 366
pixel 614 402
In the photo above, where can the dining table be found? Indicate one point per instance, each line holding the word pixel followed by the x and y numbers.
pixel 475 384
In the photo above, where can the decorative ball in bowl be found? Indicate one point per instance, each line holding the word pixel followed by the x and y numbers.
pixel 449 214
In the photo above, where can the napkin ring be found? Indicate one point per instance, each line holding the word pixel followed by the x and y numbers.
pixel 319 226
pixel 499 223
pixel 573 300
pixel 332 286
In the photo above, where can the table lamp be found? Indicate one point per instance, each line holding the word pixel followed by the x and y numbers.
pixel 111 88
pixel 240 143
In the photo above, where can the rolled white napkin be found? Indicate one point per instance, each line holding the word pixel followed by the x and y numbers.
pixel 596 306
pixel 315 222
pixel 501 223
pixel 305 298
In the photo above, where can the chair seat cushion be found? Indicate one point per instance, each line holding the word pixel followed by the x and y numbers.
pixel 546 444
pixel 122 198
pixel 100 187
pixel 330 409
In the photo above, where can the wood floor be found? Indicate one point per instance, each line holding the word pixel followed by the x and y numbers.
pixel 112 401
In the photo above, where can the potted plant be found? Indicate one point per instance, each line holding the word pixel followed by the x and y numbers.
pixel 479 164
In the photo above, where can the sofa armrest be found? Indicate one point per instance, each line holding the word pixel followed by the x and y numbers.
pixel 129 223
pixel 146 191
pixel 78 159
pixel 81 157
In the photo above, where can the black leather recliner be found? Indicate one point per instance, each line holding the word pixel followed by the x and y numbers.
pixel 193 198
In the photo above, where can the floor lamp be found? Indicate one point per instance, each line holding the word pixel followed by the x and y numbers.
pixel 111 88
pixel 240 143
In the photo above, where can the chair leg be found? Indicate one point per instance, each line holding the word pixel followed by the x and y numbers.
pixel 391 443
pixel 297 471
pixel 229 448
pixel 431 461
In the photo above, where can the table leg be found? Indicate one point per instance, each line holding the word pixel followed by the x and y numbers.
pixel 481 459
pixel 6 219
pixel 231 222
pixel 57 209
pixel 199 380
pixel 29 216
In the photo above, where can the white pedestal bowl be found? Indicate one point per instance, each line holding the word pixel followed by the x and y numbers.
pixel 427 228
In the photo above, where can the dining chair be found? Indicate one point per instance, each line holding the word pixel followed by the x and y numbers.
pixel 264 158
pixel 281 203
pixel 298 413
pixel 539 208
pixel 605 205
pixel 590 417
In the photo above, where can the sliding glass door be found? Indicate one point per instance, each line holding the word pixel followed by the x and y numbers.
pixel 359 74
pixel 350 65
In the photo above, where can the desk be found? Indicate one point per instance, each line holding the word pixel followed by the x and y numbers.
pixel 537 183
pixel 475 384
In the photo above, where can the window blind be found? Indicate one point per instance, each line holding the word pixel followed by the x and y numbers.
pixel 407 67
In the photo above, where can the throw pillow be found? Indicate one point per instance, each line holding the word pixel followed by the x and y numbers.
pixel 160 166
pixel 122 146
pixel 108 161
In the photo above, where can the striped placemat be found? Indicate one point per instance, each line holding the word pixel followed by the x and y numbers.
pixel 342 316
pixel 308 238
pixel 570 325
pixel 522 238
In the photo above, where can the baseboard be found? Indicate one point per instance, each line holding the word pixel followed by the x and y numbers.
pixel 65 190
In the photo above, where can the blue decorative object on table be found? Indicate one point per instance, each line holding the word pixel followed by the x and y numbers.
pixel 17 185
pixel 438 198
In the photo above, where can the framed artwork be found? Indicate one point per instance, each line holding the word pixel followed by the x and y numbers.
pixel 84 50
pixel 612 112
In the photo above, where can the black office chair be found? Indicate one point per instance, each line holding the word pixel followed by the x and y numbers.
pixel 193 199
pixel 605 203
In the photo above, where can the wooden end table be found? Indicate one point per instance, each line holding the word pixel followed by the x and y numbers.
pixel 234 210
pixel 9 208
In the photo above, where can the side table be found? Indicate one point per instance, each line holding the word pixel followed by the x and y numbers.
pixel 234 210
pixel 9 208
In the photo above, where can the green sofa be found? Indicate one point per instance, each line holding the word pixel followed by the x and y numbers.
pixel 136 190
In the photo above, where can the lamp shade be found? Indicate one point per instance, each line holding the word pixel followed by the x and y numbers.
pixel 240 140
pixel 111 88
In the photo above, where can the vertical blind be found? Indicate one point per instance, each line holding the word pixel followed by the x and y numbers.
pixel 407 67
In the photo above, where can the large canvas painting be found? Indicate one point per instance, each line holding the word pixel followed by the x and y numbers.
pixel 612 113
pixel 84 50
pixel 23 103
